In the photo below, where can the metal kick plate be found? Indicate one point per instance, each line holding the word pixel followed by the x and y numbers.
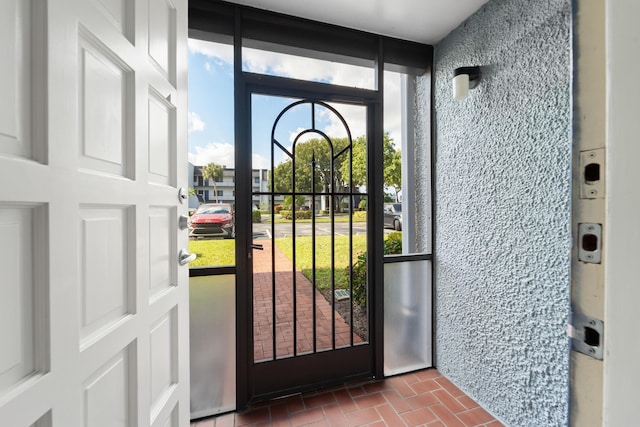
pixel 587 335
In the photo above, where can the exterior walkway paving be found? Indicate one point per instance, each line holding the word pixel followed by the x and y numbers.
pixel 263 315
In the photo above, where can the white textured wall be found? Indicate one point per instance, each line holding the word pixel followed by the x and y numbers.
pixel 503 209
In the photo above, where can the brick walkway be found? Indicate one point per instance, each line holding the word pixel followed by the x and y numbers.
pixel 263 315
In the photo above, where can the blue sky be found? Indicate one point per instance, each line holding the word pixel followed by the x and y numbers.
pixel 211 136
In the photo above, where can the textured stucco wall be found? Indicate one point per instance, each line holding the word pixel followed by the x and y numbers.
pixel 503 209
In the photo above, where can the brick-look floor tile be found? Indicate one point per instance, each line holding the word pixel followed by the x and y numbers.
pixel 446 416
pixel 376 387
pixel 450 387
pixel 389 415
pixel 401 386
pixel 475 417
pixel 428 374
pixel 284 422
pixel 279 411
pixel 422 400
pixel 335 416
pixel 319 400
pixel 307 417
pixel 227 420
pixel 360 418
pixel 294 404
pixel 468 402
pixel 425 386
pixel 369 400
pixel 253 417
pixel 449 401
pixel 398 403
pixel 379 403
pixel 356 391
pixel 345 401
pixel 418 417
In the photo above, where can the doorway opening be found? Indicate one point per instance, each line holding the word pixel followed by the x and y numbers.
pixel 306 132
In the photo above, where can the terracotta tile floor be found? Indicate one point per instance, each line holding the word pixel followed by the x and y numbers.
pixel 423 398
pixel 263 315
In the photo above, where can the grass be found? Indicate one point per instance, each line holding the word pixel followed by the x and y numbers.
pixel 213 252
pixel 323 257
pixel 319 219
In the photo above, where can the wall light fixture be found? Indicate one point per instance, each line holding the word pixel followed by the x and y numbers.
pixel 464 78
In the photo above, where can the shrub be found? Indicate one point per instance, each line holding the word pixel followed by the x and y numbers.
pixel 393 243
pixel 363 204
pixel 360 280
pixel 392 246
pixel 286 214
pixel 256 216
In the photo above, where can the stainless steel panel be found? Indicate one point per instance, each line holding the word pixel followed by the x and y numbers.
pixel 213 344
pixel 407 316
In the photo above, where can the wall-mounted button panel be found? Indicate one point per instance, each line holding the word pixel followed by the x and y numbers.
pixel 592 164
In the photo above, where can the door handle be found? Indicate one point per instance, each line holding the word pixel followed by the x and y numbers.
pixel 185 257
pixel 256 246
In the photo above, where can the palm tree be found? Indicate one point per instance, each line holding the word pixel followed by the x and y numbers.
pixel 212 171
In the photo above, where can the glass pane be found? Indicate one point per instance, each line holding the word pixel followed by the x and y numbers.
pixel 212 317
pixel 304 68
pixel 407 316
pixel 211 154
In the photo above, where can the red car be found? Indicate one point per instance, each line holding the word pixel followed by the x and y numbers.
pixel 213 220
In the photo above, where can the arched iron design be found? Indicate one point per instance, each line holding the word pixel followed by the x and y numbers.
pixel 332 194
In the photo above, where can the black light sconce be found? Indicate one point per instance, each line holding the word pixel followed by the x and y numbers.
pixel 464 78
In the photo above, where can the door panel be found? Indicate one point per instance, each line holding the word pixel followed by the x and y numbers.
pixel 95 306
pixel 308 328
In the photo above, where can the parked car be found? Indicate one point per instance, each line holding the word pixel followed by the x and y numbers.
pixel 393 215
pixel 213 220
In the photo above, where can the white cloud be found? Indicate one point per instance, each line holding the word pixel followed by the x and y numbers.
pixel 195 122
pixel 219 51
pixel 259 162
pixel 220 153
pixel 302 68
pixel 223 154
pixel 306 137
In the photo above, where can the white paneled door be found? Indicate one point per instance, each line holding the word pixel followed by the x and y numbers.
pixel 93 301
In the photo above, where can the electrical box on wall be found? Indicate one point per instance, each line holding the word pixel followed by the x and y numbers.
pixel 592 164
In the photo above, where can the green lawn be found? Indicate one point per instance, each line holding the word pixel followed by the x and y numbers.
pixel 216 253
pixel 213 252
pixel 319 220
pixel 323 257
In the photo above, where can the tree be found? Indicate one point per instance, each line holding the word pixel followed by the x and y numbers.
pixel 393 171
pixel 313 159
pixel 213 171
pixel 392 168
